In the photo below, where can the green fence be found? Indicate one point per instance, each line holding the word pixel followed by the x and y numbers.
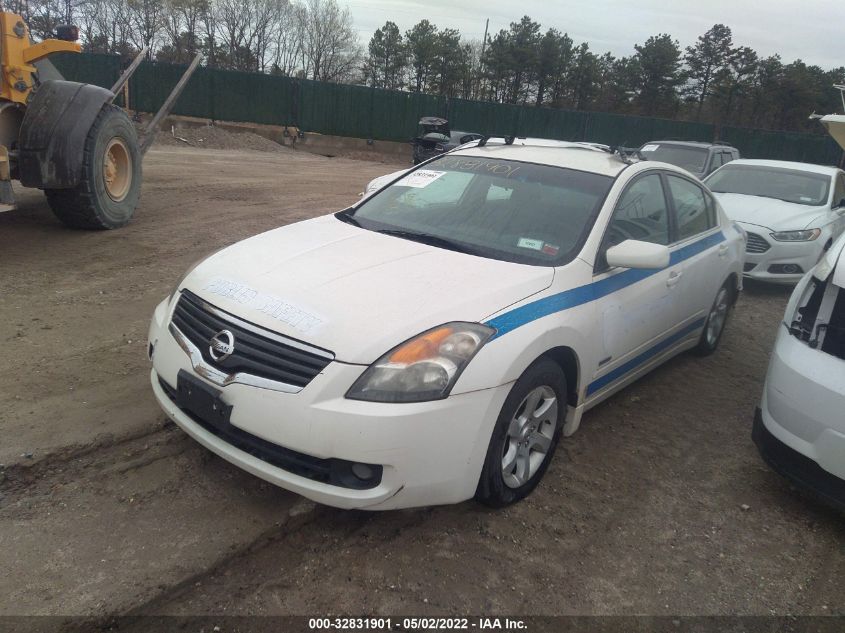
pixel 363 112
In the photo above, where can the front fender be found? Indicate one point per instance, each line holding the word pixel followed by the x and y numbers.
pixel 51 142
pixel 504 359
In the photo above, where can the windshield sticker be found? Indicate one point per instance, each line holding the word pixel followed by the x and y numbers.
pixel 420 178
pixel 495 167
pixel 806 199
pixel 550 249
pixel 279 309
pixel 534 245
pixel 650 148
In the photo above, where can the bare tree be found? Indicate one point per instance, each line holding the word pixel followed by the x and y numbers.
pixel 287 45
pixel 330 51
pixel 180 24
pixel 106 26
pixel 147 20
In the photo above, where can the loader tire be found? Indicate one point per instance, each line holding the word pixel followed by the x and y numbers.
pixel 110 184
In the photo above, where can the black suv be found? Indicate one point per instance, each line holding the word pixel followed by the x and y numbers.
pixel 699 159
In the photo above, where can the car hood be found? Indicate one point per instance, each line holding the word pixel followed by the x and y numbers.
pixel 355 292
pixel 776 215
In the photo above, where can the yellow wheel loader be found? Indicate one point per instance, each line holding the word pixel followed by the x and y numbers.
pixel 68 138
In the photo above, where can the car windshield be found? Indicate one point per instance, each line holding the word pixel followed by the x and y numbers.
pixel 790 185
pixel 690 158
pixel 501 209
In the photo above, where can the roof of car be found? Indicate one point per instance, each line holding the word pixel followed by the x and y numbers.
pixel 786 164
pixel 561 154
pixel 690 144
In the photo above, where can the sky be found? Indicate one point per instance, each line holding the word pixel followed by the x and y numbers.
pixel 811 30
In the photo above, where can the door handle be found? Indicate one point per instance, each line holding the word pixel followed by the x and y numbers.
pixel 723 250
pixel 674 277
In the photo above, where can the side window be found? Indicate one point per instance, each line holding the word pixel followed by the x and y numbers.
pixel 641 214
pixel 694 215
pixel 718 161
pixel 727 157
pixel 839 190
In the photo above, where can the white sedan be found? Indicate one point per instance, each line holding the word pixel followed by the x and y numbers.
pixel 433 342
pixel 799 427
pixel 792 213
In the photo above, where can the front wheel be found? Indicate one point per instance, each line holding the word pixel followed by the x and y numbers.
pixel 525 436
pixel 716 319
pixel 110 184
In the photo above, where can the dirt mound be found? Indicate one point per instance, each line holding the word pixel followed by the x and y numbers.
pixel 213 137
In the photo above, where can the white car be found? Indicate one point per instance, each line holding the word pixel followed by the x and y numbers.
pixel 792 213
pixel 799 427
pixel 431 343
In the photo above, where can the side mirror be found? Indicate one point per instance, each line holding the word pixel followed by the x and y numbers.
pixel 637 254
pixel 840 204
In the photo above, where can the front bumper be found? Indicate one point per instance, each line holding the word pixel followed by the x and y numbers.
pixel 430 452
pixel 797 468
pixel 799 427
pixel 805 255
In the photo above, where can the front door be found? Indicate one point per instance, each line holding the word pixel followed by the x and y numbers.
pixel 637 307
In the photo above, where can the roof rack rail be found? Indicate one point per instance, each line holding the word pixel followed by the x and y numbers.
pixel 625 153
pixel 508 139
pixel 719 141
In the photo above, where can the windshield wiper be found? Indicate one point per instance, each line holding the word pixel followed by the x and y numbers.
pixel 431 240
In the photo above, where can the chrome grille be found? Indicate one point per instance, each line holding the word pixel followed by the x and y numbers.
pixel 756 244
pixel 257 352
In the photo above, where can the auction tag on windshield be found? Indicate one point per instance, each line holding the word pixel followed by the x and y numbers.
pixel 534 245
pixel 420 178
pixel 650 148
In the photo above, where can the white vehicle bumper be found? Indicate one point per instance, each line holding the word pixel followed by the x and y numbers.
pixel 430 452
pixel 800 428
pixel 768 265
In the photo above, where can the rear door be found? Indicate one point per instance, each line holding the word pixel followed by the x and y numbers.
pixel 699 247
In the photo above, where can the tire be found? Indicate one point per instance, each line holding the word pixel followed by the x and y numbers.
pixel 717 318
pixel 502 485
pixel 105 198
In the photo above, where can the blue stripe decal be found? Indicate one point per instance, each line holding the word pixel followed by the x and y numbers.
pixel 614 375
pixel 561 301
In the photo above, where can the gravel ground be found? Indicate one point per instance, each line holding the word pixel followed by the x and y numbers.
pixel 659 505
pixel 212 137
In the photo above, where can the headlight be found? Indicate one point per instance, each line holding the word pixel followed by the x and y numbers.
pixel 806 235
pixel 425 367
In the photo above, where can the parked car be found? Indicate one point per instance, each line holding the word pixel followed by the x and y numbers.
pixel 799 427
pixel 699 159
pixel 792 213
pixel 436 138
pixel 432 343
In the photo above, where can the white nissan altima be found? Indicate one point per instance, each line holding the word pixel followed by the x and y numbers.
pixel 792 213
pixel 432 343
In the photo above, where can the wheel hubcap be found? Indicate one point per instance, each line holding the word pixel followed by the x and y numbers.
pixel 718 314
pixel 117 169
pixel 530 435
